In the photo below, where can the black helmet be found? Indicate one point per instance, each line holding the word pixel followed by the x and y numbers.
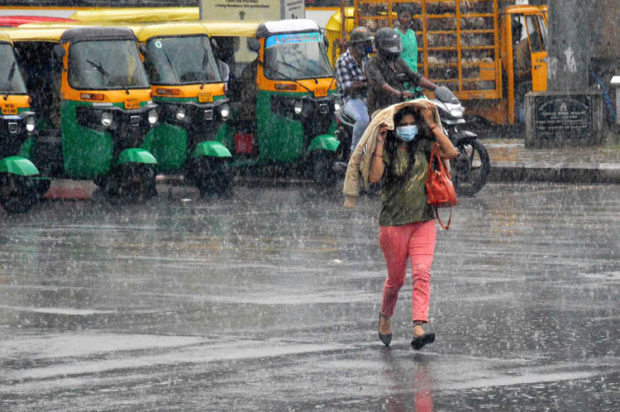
pixel 388 43
pixel 360 35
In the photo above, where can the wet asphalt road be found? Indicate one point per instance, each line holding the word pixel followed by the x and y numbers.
pixel 270 301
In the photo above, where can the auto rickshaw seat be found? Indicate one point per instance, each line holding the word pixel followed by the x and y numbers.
pixel 191 76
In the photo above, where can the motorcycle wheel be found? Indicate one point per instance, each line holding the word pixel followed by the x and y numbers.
pixel 471 168
pixel 344 149
pixel 42 186
pixel 322 173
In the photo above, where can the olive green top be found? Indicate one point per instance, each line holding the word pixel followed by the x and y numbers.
pixel 403 192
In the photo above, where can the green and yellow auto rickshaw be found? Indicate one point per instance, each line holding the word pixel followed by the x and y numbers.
pixel 282 92
pixel 94 106
pixel 190 94
pixel 18 187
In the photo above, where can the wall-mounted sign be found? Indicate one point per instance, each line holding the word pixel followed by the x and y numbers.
pixel 567 117
pixel 251 10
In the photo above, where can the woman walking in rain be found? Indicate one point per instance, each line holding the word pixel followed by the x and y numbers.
pixel 395 151
pixel 407 222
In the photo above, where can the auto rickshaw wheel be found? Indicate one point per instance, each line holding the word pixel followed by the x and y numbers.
pixel 17 193
pixel 131 182
pixel 42 186
pixel 212 176
pixel 322 173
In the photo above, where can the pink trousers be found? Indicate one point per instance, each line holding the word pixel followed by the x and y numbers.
pixel 415 241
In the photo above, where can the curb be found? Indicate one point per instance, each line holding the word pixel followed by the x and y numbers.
pixel 557 172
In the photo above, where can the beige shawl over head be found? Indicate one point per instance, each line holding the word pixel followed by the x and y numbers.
pixel 361 158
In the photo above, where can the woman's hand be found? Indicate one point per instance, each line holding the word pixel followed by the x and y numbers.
pixel 428 114
pixel 382 133
pixel 407 94
pixel 446 148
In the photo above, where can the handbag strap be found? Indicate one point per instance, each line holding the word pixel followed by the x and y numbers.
pixel 435 154
pixel 446 227
pixel 442 167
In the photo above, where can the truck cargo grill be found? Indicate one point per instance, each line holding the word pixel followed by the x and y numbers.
pixel 458 41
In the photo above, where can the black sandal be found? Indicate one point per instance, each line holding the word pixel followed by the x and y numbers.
pixel 419 341
pixel 386 339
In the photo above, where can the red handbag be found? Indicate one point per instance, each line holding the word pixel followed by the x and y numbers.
pixel 439 188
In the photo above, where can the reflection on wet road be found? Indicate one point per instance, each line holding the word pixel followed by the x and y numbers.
pixel 270 300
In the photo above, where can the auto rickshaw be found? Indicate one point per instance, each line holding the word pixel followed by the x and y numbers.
pixel 282 92
pixel 94 106
pixel 18 187
pixel 190 94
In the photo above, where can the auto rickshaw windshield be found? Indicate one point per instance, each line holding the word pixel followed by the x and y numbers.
pixel 106 64
pixel 296 56
pixel 11 80
pixel 181 60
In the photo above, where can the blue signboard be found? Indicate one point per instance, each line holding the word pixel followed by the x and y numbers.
pixel 292 38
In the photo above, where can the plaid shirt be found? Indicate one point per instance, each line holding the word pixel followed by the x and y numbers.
pixel 347 72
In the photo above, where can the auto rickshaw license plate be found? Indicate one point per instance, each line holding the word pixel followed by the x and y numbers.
pixel 205 97
pixel 9 109
pixel 320 92
pixel 132 104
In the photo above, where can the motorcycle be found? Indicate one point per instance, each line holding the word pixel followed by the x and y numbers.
pixel 472 166
pixel 470 169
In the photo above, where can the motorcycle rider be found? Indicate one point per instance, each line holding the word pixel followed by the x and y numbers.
pixel 350 69
pixel 387 73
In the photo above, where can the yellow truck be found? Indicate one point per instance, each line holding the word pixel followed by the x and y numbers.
pixel 470 46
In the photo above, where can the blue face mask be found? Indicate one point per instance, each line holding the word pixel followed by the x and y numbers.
pixel 368 49
pixel 407 133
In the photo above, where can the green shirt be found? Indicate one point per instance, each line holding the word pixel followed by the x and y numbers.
pixel 410 49
pixel 403 192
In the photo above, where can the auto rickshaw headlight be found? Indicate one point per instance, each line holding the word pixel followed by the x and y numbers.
pixel 337 107
pixel 225 110
pixel 106 119
pixel 298 107
pixel 153 116
pixel 180 115
pixel 30 123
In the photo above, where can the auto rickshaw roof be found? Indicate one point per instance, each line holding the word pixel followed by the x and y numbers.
pixel 97 33
pixel 231 28
pixel 137 15
pixel 147 31
pixel 38 34
pixel 524 9
pixel 286 26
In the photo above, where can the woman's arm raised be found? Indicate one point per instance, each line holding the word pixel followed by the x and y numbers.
pixel 377 166
pixel 446 148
